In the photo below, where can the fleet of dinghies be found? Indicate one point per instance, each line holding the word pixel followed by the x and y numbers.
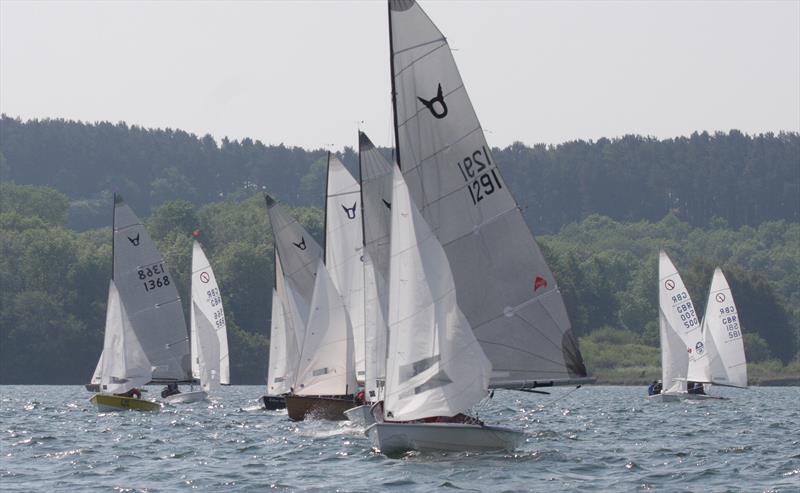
pixel 146 340
pixel 695 353
pixel 428 293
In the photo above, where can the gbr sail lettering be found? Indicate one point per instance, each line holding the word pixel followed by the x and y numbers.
pixel 480 174
pixel 153 277
pixel 731 321
pixel 215 300
pixel 685 309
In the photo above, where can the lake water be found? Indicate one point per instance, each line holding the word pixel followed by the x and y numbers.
pixel 590 439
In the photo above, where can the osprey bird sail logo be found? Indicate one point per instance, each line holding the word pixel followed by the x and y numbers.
pixel 302 244
pixel 430 104
pixel 134 241
pixel 387 204
pixel 350 211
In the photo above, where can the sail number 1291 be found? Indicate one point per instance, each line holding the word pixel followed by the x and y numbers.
pixel 480 174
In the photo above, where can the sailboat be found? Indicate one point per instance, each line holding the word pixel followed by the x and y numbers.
pixel 719 357
pixel 376 196
pixel 502 284
pixel 145 335
pixel 324 380
pixel 679 332
pixel 208 333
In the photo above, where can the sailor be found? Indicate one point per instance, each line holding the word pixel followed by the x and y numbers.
pixel 134 392
pixel 170 389
pixel 654 388
pixel 695 388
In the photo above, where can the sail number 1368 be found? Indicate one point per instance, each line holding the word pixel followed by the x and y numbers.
pixel 153 277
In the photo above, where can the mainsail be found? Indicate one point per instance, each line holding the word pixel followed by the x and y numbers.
pixel 678 324
pixel 720 357
pixel 150 297
pixel 125 364
pixel 505 288
pixel 209 334
pixel 376 195
pixel 436 366
pixel 344 249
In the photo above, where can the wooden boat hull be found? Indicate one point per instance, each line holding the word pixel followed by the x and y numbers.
pixel 361 415
pixel 186 397
pixel 396 438
pixel 273 402
pixel 301 406
pixel 110 402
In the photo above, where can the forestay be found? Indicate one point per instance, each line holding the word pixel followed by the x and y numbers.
pixel 344 249
pixel 209 334
pixel 376 194
pixel 721 359
pixel 436 366
pixel 326 364
pixel 150 297
pixel 125 364
pixel 678 324
pixel 504 286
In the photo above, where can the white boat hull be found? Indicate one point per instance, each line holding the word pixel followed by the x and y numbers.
pixel 393 438
pixel 360 415
pixel 186 397
pixel 683 397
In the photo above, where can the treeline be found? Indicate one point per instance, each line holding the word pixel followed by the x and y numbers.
pixel 54 280
pixel 742 179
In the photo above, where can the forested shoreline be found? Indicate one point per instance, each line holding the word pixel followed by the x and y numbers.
pixel 600 210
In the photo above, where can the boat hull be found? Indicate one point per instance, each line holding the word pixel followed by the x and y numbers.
pixel 683 397
pixel 301 407
pixel 110 402
pixel 186 397
pixel 395 438
pixel 273 402
pixel 361 415
pixel 92 387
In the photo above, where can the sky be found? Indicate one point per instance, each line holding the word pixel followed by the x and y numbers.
pixel 310 73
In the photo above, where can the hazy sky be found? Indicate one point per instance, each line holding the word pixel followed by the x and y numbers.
pixel 305 73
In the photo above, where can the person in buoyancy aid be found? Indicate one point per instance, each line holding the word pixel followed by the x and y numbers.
pixel 654 388
pixel 134 392
pixel 170 389
pixel 695 388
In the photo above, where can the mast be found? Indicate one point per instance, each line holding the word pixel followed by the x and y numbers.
pixel 325 213
pixel 394 91
pixel 113 225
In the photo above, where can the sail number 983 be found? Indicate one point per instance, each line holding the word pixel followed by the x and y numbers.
pixel 153 277
pixel 480 174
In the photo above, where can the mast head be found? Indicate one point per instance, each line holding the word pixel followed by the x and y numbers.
pixel 270 200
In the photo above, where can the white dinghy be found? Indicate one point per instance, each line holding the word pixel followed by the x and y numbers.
pixel 679 331
pixel 719 357
pixel 436 369
pixel 376 197
pixel 208 333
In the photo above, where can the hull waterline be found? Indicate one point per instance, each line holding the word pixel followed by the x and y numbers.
pixel 395 438
pixel 331 408
pixel 186 397
pixel 110 402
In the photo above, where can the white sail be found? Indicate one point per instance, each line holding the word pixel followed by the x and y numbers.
pixel 299 253
pixel 344 249
pixel 124 362
pixel 151 299
pixel 678 324
pixel 722 357
pixel 98 370
pixel 505 287
pixel 210 363
pixel 436 366
pixel 326 364
pixel 376 193
pixel 284 341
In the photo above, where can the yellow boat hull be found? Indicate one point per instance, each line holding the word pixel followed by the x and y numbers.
pixel 110 402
